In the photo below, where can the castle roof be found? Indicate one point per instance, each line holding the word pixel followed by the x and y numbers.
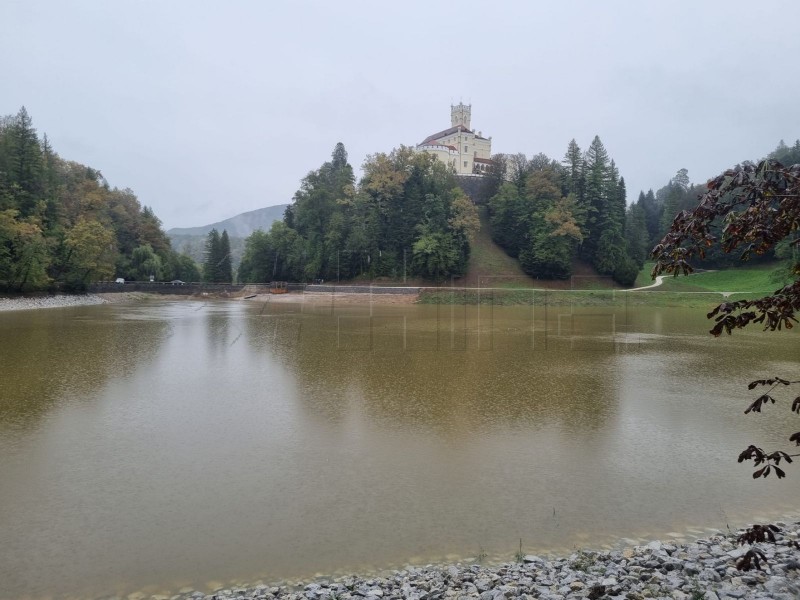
pixel 444 133
pixel 486 161
pixel 435 143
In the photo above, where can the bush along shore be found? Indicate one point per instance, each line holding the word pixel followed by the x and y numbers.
pixel 703 569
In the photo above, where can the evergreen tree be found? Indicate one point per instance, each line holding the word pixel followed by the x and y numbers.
pixel 787 155
pixel 573 171
pixel 636 235
pixel 24 164
pixel 61 221
pixel 320 196
pixel 213 257
pixel 652 215
pixel 225 265
pixel 596 189
pixel 407 205
pixel 677 197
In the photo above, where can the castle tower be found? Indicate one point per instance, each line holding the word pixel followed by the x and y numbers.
pixel 460 114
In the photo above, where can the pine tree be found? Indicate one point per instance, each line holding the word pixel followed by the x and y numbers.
pixel 596 189
pixel 676 197
pixel 636 235
pixel 225 264
pixel 573 166
pixel 213 255
pixel 652 216
pixel 24 164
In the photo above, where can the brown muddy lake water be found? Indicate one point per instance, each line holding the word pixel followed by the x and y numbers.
pixel 165 444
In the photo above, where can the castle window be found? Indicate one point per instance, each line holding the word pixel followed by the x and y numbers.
pixel 466 148
pixel 465 163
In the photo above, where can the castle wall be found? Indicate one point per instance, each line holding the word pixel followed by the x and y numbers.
pixel 468 145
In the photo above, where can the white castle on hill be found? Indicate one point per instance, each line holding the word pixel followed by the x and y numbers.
pixel 469 153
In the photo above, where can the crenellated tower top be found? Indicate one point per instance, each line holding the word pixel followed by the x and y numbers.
pixel 460 114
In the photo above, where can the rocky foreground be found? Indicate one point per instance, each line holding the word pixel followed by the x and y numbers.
pixel 705 569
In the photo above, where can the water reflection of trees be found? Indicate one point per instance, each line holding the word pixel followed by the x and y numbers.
pixel 425 376
pixel 47 356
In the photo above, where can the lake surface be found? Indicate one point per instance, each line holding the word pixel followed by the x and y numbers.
pixel 177 443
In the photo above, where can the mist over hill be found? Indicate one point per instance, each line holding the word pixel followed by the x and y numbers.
pixel 239 226
pixel 192 240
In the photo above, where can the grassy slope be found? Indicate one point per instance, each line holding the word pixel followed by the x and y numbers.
pixel 489 265
pixel 746 280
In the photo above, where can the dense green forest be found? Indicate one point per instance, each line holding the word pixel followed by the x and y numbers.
pixel 62 225
pixel 217 263
pixel 405 217
pixel 649 218
pixel 548 213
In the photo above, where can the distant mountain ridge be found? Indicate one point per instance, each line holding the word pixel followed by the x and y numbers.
pixel 192 240
pixel 240 226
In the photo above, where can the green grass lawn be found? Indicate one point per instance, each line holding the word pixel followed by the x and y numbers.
pixel 747 280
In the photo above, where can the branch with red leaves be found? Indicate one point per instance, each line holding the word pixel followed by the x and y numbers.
pixel 758 206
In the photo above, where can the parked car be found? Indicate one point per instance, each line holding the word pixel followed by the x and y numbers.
pixel 177 282
pixel 120 280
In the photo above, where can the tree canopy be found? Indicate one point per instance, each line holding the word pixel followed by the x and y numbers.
pixel 61 224
pixel 217 264
pixel 405 217
pixel 548 213
pixel 750 209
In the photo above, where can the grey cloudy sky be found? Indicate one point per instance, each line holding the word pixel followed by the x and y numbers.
pixel 209 109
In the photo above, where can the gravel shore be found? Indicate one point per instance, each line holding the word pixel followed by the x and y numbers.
pixel 59 301
pixel 704 569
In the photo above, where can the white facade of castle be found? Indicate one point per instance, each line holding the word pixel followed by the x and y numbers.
pixel 468 152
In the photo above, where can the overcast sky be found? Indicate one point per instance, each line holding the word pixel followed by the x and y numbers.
pixel 209 109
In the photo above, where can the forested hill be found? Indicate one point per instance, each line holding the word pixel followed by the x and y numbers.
pixel 548 213
pixel 405 217
pixel 62 225
pixel 239 226
pixel 650 216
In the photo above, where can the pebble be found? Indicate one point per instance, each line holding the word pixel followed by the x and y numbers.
pixel 34 302
pixel 704 568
